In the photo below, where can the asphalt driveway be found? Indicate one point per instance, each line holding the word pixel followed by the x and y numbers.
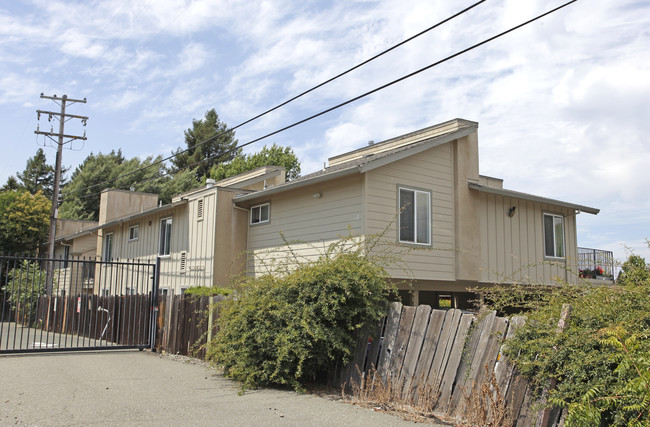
pixel 139 388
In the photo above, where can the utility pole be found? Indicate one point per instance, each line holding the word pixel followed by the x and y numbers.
pixel 61 139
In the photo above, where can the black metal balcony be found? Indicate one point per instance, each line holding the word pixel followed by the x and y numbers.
pixel 593 263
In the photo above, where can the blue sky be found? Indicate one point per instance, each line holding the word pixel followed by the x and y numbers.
pixel 563 105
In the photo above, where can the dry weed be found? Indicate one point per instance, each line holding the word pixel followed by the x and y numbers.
pixel 387 396
pixel 485 405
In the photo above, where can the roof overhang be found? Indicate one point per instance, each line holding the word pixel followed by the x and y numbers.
pixel 298 184
pixel 417 149
pixel 124 219
pixel 530 197
pixel 369 165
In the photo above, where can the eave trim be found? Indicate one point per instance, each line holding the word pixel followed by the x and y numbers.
pixel 531 197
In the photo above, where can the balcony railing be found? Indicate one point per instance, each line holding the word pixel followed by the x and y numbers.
pixel 591 261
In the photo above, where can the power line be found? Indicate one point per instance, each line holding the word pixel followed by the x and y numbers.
pixel 448 58
pixel 289 100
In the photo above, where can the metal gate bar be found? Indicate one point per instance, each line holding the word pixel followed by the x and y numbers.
pixel 94 305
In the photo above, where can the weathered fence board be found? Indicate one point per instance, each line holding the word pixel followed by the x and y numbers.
pixel 419 329
pixel 401 342
pixel 436 320
pixel 449 328
pixel 392 323
pixel 449 350
pixel 455 357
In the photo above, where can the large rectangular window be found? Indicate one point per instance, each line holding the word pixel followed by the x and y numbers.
pixel 260 214
pixel 165 236
pixel 554 236
pixel 415 216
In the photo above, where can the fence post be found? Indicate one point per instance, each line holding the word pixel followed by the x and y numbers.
pixel 210 320
pixel 154 305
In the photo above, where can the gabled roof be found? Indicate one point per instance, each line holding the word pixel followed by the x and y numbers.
pixel 376 155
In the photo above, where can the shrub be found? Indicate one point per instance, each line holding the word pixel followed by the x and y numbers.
pixel 207 291
pixel 600 360
pixel 24 285
pixel 292 329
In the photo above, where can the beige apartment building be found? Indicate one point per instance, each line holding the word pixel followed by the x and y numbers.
pixel 451 227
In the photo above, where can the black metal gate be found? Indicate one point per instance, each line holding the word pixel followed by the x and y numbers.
pixel 76 304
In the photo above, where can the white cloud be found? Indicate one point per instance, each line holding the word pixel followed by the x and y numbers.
pixel 563 104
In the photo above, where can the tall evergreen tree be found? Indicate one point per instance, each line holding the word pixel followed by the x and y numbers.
pixel 102 171
pixel 221 146
pixel 38 175
pixel 11 184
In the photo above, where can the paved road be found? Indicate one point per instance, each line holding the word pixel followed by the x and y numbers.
pixel 139 388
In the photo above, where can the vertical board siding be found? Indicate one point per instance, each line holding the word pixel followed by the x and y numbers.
pixel 512 249
pixel 191 236
pixel 430 170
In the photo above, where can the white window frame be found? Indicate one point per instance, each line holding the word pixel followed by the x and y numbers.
pixel 108 246
pixel 260 220
pixel 134 232
pixel 415 216
pixel 554 248
pixel 165 242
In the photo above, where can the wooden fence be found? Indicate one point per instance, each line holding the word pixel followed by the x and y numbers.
pixel 449 351
pixel 185 324
pixel 415 349
pixel 87 316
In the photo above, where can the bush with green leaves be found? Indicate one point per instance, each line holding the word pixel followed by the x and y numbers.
pixel 295 328
pixel 25 284
pixel 207 291
pixel 601 360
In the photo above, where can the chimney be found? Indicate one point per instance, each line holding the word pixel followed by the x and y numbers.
pixel 209 183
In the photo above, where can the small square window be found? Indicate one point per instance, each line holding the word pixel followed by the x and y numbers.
pixel 134 233
pixel 260 213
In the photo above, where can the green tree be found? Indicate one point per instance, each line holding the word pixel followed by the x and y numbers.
pixel 273 155
pixel 81 196
pixel 182 181
pixel 24 221
pixel 38 175
pixel 634 271
pixel 11 184
pixel 103 171
pixel 25 284
pixel 209 142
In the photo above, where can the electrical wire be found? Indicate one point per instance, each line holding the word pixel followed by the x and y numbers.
pixel 457 14
pixel 434 64
pixel 374 90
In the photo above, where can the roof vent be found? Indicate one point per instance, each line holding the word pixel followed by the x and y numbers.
pixel 209 183
pixel 371 142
